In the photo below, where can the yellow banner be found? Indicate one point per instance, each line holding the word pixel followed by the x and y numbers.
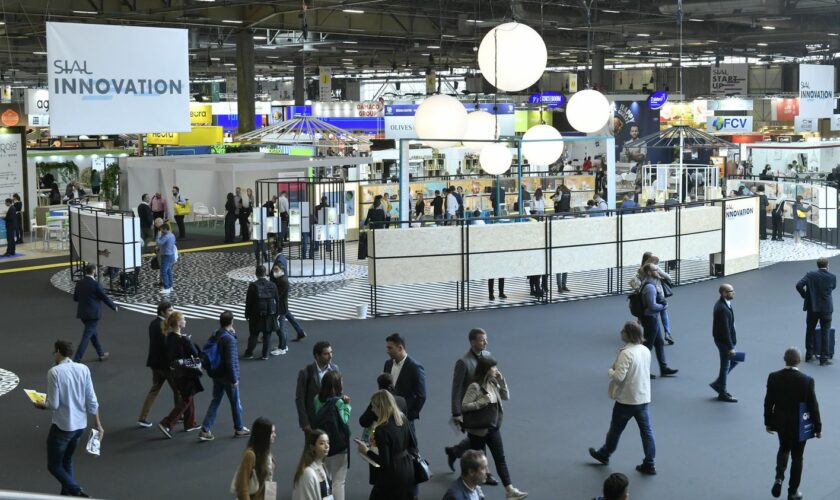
pixel 164 139
pixel 201 114
pixel 199 136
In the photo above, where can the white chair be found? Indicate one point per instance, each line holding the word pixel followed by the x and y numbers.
pixel 216 217
pixel 55 231
pixel 201 213
pixel 33 229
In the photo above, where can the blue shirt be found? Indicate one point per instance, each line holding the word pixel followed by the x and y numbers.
pixel 166 243
pixel 70 395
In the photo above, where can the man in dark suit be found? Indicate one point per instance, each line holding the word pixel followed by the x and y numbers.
pixel 90 295
pixel 261 304
pixel 158 362
pixel 816 288
pixel 11 219
pixel 144 211
pixel 309 383
pixel 409 376
pixel 763 203
pixel 786 390
pixel 723 331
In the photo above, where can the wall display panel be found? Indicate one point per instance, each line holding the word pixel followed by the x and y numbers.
pixel 432 269
pixel 583 231
pixel 741 247
pixel 12 157
pixel 823 199
pixel 584 258
pixel 106 239
pixel 444 240
pixel 519 263
pixel 649 225
pixel 497 237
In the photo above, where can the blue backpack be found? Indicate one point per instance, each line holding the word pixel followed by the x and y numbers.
pixel 211 355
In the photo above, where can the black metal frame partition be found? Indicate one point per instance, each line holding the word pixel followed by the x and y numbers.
pixel 684 272
pixel 77 265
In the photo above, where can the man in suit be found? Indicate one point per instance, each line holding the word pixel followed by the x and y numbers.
pixel 261 305
pixel 11 227
pixel 409 376
pixel 786 390
pixel 763 203
pixel 144 211
pixel 723 331
pixel 816 288
pixel 158 361
pixel 473 474
pixel 90 295
pixel 309 383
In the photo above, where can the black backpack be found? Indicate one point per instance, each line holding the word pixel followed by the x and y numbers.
pixel 328 420
pixel 266 297
pixel 637 302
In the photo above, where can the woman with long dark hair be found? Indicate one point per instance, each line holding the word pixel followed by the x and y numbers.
pixel 331 394
pixel 256 470
pixel 179 347
pixel 376 215
pixel 482 413
pixel 230 218
pixel 539 202
pixel 311 481
pixel 55 194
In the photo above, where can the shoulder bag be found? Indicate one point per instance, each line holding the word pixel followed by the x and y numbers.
pixel 666 288
pixel 483 418
pixel 253 483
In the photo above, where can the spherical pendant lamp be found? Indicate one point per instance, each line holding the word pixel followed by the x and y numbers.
pixel 440 117
pixel 495 158
pixel 542 153
pixel 481 126
pixel 512 57
pixel 588 111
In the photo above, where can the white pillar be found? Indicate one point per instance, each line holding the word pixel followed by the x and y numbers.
pixel 405 209
pixel 611 172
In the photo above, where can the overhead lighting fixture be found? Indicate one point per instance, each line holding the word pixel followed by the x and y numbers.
pixel 563 28
pixel 475 21
pixel 761 44
pixel 357 30
pixel 345 59
pixel 832 34
pixel 433 46
pixel 89 12
pixel 208 1
pixel 609 11
pixel 39 53
pixel 425 54
pixel 272 57
pixel 350 51
pixel 644 35
pixel 447 36
pixel 350 42
pixel 231 21
pixel 768 28
pixel 215 59
pixel 259 37
pixel 230 64
pixel 695 20
pixel 3 23
pixel 353 11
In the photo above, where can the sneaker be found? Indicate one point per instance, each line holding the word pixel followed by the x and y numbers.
pixel 279 352
pixel 515 493
pixel 648 469
pixel 776 490
pixel 668 372
pixel 668 339
pixel 193 428
pixel 490 480
pixel 264 358
pixel 165 430
pixel 205 435
pixel 165 291
pixel 144 423
pixel 242 432
pixel 105 355
pixel 599 457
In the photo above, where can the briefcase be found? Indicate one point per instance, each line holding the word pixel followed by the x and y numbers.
pixel 806 426
pixel 818 342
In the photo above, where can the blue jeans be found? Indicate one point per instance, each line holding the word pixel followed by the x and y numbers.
pixel 166 262
pixel 223 387
pixel 726 366
pixel 294 323
pixel 281 332
pixel 620 416
pixel 666 321
pixel 653 338
pixel 260 250
pixel 89 335
pixel 60 448
pixel 304 246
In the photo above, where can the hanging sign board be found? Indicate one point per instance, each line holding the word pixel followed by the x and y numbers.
pixel 835 123
pixel 38 107
pixel 729 79
pixel 324 84
pixel 657 99
pixel 724 124
pixel 816 90
pixel 201 115
pixel 804 124
pixel 96 89
pixel 11 164
pixel 550 100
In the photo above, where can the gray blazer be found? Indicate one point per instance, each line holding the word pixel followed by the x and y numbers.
pixel 463 377
pixel 308 385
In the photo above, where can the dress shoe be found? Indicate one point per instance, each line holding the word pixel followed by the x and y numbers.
pixel 668 339
pixel 300 337
pixel 826 362
pixel 667 372
pixel 808 358
pixel 652 376
pixel 716 387
pixel 502 296
pixel 566 289
pixel 491 481
pixel 776 490
pixel 492 297
pixel 598 456
pixel 727 398
pixel 795 496
pixel 450 457
pixel 648 469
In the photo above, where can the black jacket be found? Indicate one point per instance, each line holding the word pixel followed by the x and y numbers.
pixel 411 385
pixel 144 211
pixel 178 347
pixel 157 358
pixel 723 327
pixel 282 284
pixel 11 220
pixel 786 389
pixel 90 294
pixel 368 418
pixel 394 480
pixel 308 386
pixel 375 218
pixel 816 288
pixel 258 322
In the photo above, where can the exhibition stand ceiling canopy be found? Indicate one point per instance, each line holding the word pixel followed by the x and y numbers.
pixel 301 130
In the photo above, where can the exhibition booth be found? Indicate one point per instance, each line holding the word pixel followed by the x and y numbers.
pixel 814 157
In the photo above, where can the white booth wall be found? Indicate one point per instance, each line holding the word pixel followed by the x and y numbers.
pixel 821 156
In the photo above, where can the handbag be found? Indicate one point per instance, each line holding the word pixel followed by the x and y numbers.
pixel 422 471
pixel 190 365
pixel 801 214
pixel 666 288
pixel 155 263
pixel 253 484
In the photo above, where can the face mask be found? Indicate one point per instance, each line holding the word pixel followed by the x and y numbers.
pixel 276 275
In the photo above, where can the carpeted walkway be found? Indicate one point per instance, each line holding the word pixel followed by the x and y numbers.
pixel 555 358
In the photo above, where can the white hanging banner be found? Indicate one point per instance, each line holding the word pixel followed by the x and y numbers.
pixel 816 90
pixel 729 79
pixel 117 79
pixel 835 123
pixel 324 84
pixel 11 166
pixel 38 107
pixel 804 124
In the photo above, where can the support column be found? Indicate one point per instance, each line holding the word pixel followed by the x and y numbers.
pixel 610 172
pixel 598 70
pixel 245 80
pixel 405 154
pixel 299 89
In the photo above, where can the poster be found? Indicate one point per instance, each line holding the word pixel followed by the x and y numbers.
pixel 350 203
pixel 95 88
pixel 729 79
pixel 11 166
pixel 38 107
pixel 784 110
pixel 816 91
pixel 324 84
pixel 633 120
pixel 835 123
pixel 806 124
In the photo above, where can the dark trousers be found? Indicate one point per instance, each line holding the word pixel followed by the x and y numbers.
pixel 260 251
pixel 561 281
pixel 620 416
pixel 811 319
pixel 186 408
pixel 145 233
pixel 727 364
pixel 762 226
pixel 777 227
pixel 295 324
pixel 501 286
pixel 230 227
pixel 493 440
pixel 60 448
pixel 19 228
pixel 243 227
pixel 792 446
pixel 89 335
pixel 182 231
pixel 159 377
pixel 653 338
pixel 10 242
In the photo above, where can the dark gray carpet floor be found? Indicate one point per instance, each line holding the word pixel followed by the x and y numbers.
pixel 555 358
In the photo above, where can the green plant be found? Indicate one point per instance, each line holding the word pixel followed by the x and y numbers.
pixel 63 172
pixel 111 184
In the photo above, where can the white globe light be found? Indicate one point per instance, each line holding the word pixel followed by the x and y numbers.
pixel 512 57
pixel 588 111
pixel 542 153
pixel 440 117
pixel 495 158
pixel 481 125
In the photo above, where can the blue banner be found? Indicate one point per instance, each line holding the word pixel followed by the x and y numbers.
pixel 409 109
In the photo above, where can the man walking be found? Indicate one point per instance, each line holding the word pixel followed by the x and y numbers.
pixel 654 305
pixel 787 390
pixel 461 379
pixel 261 312
pixel 309 384
pixel 283 210
pixel 71 397
pixel 158 361
pixel 409 376
pixel 473 474
pixel 225 381
pixel 179 206
pixel 816 287
pixel 630 388
pixel 763 203
pixel 89 294
pixel 723 331
pixel 147 219
pixel 11 220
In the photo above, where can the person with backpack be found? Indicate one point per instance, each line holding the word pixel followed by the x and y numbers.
pixel 261 303
pixel 220 358
pixel 652 303
pixel 332 414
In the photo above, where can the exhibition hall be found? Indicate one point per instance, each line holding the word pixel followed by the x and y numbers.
pixel 356 249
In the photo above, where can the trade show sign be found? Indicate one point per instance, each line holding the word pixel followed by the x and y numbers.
pixel 550 100
pixel 38 107
pixel 729 79
pixel 727 124
pixel 804 124
pixel 117 79
pixel 816 90
pixel 399 118
pixel 11 164
pixel 741 235
pixel 657 99
pixel 835 123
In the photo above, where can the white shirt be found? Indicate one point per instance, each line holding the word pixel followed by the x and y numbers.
pixel 451 204
pixel 322 371
pixel 630 375
pixel 282 204
pixel 728 303
pixel 396 368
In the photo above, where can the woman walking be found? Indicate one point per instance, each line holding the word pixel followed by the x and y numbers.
pixel 800 218
pixel 394 439
pixel 167 254
pixel 312 482
pixel 254 477
pixel 179 349
pixel 331 401
pixel 482 413
pixel 661 278
pixel 230 218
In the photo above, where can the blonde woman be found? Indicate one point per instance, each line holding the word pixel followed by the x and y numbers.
pixel 638 280
pixel 394 479
pixel 311 480
pixel 179 347
pixel 254 477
